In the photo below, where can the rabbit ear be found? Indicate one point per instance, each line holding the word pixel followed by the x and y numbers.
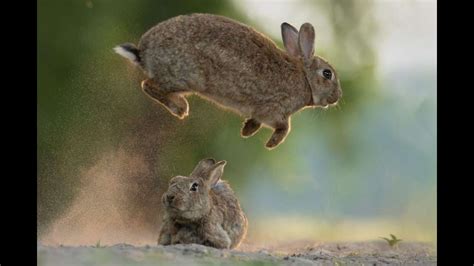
pixel 306 40
pixel 202 167
pixel 209 170
pixel 289 35
pixel 216 173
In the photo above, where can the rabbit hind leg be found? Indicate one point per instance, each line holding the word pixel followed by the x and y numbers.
pixel 251 126
pixel 173 101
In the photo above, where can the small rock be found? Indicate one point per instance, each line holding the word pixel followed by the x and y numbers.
pixel 263 251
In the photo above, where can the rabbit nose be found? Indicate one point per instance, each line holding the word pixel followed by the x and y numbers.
pixel 334 97
pixel 169 198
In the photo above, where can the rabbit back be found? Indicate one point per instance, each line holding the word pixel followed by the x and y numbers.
pixel 224 61
pixel 226 208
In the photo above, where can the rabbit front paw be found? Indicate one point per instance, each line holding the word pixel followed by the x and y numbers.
pixel 251 126
pixel 278 136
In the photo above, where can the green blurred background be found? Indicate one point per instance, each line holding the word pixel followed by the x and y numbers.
pixel 361 170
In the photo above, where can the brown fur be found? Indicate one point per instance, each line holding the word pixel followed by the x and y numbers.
pixel 236 67
pixel 211 215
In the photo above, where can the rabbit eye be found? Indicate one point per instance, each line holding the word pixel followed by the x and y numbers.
pixel 194 187
pixel 327 74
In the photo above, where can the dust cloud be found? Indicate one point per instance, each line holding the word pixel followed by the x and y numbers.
pixel 117 201
pixel 118 198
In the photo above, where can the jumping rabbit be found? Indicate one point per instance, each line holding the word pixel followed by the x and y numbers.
pixel 236 67
pixel 202 209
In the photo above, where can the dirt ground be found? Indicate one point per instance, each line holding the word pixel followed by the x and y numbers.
pixel 296 253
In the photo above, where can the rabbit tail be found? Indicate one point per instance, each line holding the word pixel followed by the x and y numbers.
pixel 129 51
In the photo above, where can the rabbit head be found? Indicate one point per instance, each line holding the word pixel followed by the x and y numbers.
pixel 320 75
pixel 187 197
